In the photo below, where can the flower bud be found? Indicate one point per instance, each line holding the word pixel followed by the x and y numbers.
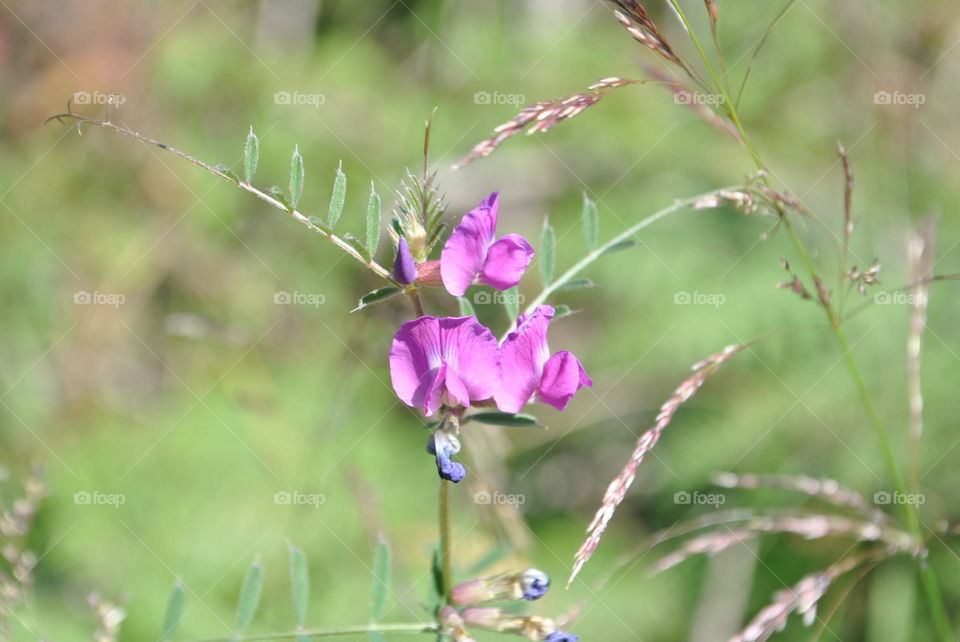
pixel 404 268
pixel 428 273
pixel 451 624
pixel 443 444
pixel 531 584
pixel 562 636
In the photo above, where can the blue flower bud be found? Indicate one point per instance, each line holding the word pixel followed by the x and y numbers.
pixel 535 584
pixel 561 636
pixel 404 268
pixel 444 445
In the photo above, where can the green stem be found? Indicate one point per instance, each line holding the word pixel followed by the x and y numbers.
pixel 346 630
pixel 446 561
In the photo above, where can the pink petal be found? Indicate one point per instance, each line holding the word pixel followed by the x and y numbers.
pixel 507 259
pixel 522 357
pixel 465 251
pixel 562 377
pixel 471 352
pixel 415 360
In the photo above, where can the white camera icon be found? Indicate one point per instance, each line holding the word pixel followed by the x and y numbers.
pixel 882 98
pixel 881 497
pixel 482 98
pixel 681 298
pixel 82 297
pixel 482 497
pixel 82 497
pixel 482 298
pixel 282 298
pixel 282 498
pixel 281 98
pixel 681 497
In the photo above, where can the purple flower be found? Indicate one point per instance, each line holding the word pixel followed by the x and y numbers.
pixel 528 372
pixel 561 636
pixel 473 253
pixel 404 269
pixel 443 361
pixel 444 445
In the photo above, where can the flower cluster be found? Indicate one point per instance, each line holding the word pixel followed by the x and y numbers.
pixel 472 598
pixel 452 363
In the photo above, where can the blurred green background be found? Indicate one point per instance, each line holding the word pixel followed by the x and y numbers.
pixel 198 399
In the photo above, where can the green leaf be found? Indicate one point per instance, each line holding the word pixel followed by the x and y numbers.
pixel 435 597
pixel 226 171
pixel 300 584
pixel 560 311
pixel 590 222
pixel 251 155
pixel 548 242
pixel 281 196
pixel 373 222
pixel 296 176
pixel 376 296
pixel 573 284
pixel 511 303
pixel 625 244
pixel 503 419
pixel 174 611
pixel 466 308
pixel 355 243
pixel 337 198
pixel 249 596
pixel 314 221
pixel 381 581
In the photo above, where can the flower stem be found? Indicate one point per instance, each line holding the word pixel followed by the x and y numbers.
pixel 345 630
pixel 446 561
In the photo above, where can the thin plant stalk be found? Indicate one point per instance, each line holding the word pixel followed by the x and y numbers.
pixel 446 561
pixel 332 632
pixel 911 514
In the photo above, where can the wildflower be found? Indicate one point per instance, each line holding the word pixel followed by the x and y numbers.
pixel 404 268
pixel 530 584
pixel 528 372
pixel 448 361
pixel 473 253
pixel 443 444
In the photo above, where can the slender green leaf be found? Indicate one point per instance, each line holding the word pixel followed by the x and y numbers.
pixel 373 222
pixel 573 284
pixel 174 611
pixel 590 222
pixel 560 311
pixel 338 197
pixel 381 581
pixel 548 242
pixel 511 303
pixel 435 597
pixel 625 244
pixel 281 196
pixel 249 596
pixel 503 419
pixel 226 171
pixel 300 584
pixel 376 296
pixel 251 156
pixel 296 176
pixel 355 243
pixel 314 221
pixel 466 308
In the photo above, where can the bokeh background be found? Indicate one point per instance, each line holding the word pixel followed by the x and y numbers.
pixel 184 388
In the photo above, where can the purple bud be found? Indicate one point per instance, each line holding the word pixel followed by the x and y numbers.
pixel 535 584
pixel 404 268
pixel 444 445
pixel 561 636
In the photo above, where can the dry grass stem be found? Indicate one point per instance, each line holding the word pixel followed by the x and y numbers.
pixel 617 489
